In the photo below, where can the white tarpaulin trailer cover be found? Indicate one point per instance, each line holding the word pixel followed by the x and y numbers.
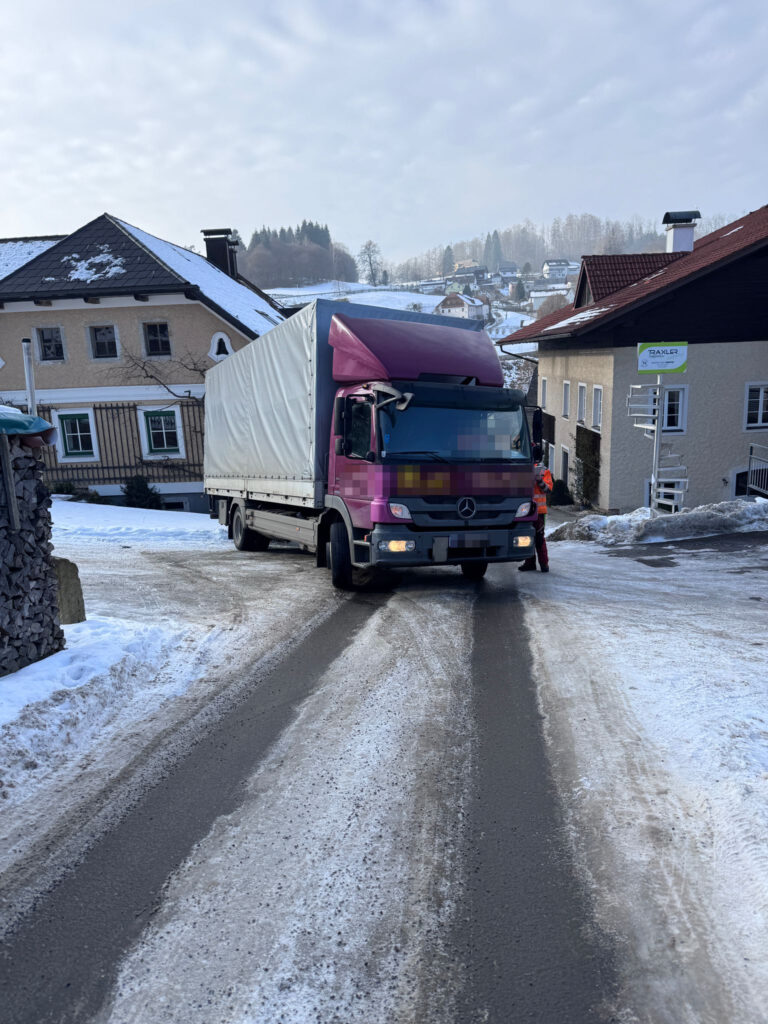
pixel 268 407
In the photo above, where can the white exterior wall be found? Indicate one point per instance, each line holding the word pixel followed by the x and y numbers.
pixel 715 443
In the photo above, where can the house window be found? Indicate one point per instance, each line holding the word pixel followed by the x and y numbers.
pixel 675 410
pixel 551 455
pixel 565 468
pixel 103 342
pixel 76 435
pixel 76 441
pixel 566 398
pixel 757 406
pixel 156 339
pixel 597 407
pixel 51 344
pixel 162 434
pixel 582 409
pixel 543 392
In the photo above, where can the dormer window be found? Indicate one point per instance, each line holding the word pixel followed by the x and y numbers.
pixel 221 347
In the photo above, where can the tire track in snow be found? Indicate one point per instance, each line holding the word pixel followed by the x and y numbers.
pixel 326 894
pixel 58 962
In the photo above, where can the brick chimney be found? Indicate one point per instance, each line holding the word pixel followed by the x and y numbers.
pixel 680 227
pixel 221 249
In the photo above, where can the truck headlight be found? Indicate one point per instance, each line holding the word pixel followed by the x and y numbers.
pixel 397 546
pixel 399 511
pixel 522 542
pixel 524 510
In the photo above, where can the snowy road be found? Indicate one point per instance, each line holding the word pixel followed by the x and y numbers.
pixel 267 833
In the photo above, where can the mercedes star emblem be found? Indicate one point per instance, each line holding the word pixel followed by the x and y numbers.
pixel 466 507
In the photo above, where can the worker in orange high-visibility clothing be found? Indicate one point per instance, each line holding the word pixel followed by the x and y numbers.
pixel 542 486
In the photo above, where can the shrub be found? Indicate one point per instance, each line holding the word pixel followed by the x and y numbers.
pixel 560 494
pixel 139 493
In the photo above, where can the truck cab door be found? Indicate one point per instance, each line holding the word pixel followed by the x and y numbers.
pixel 354 464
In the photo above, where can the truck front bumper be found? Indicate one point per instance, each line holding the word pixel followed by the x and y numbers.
pixel 397 545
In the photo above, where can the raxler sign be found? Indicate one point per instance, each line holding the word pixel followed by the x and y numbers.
pixel 662 358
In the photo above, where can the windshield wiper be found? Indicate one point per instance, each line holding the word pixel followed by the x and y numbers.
pixel 437 457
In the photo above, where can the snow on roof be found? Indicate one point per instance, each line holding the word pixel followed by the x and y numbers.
pixel 15 252
pixel 578 318
pixel 95 268
pixel 223 291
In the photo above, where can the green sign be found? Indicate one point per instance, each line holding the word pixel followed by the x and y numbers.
pixel 654 357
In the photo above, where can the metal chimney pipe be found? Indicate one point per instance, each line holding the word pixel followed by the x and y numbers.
pixel 29 376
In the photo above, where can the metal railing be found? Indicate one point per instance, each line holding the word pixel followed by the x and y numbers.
pixel 116 428
pixel 757 470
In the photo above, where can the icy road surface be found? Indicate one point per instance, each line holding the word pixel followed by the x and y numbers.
pixel 328 892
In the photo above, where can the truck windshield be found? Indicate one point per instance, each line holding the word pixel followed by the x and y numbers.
pixel 451 434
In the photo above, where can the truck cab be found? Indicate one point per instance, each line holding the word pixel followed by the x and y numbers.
pixel 432 472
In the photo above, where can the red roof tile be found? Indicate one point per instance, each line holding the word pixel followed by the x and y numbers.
pixel 608 274
pixel 713 250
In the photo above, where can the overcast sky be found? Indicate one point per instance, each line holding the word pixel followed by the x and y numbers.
pixel 412 122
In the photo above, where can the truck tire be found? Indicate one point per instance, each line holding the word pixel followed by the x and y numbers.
pixel 245 539
pixel 474 570
pixel 341 560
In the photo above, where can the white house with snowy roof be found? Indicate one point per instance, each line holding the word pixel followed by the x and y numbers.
pixel 122 326
pixel 467 306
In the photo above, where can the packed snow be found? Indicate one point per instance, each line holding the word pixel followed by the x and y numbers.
pixel 649 526
pixel 650 656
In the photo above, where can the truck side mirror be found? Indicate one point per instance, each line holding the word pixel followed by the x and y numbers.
pixel 338 416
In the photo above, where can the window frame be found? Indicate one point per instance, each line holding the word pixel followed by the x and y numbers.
pixel 60 416
pixel 566 399
pixel 146 325
pixel 38 334
pixel 762 401
pixel 565 464
pixel 581 402
pixel 543 392
pixel 597 422
pixel 148 452
pixel 91 328
pixel 683 413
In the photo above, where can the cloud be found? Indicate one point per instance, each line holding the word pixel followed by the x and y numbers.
pixel 415 124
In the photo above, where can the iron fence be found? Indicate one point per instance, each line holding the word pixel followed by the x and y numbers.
pixel 116 429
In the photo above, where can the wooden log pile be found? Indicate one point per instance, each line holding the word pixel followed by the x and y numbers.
pixel 29 613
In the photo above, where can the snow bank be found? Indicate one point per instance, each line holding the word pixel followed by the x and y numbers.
pixel 647 526
pixel 61 705
pixel 149 527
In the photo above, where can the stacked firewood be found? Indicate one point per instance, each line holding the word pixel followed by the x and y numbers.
pixel 29 613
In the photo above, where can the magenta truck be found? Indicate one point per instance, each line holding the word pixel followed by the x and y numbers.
pixel 373 438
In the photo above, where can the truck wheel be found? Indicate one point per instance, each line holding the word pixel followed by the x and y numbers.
pixel 341 560
pixel 245 539
pixel 474 570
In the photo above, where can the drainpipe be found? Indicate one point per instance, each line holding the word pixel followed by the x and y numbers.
pixel 29 376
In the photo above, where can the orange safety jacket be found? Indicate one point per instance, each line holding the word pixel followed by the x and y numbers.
pixel 542 485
